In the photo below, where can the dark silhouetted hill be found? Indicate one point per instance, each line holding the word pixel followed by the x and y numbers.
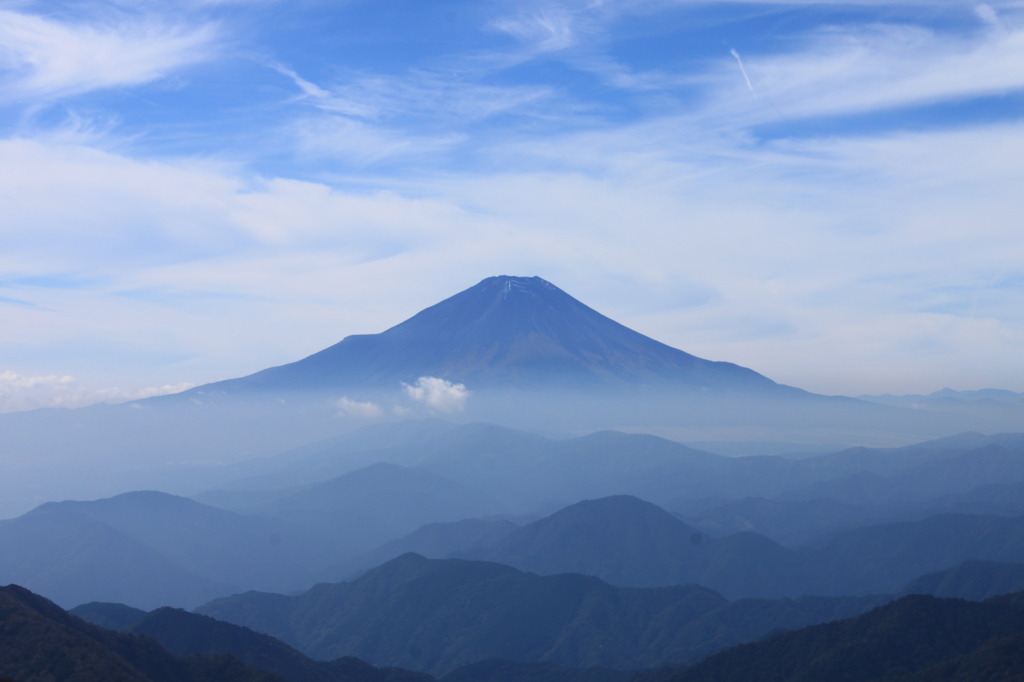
pixel 40 641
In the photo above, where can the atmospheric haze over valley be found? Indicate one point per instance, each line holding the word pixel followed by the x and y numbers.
pixel 517 352
pixel 511 341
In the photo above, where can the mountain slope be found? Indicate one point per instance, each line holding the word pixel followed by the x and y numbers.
pixel 438 615
pixel 443 540
pixel 508 331
pixel 362 509
pixel 190 634
pixel 252 552
pixel 974 580
pixel 908 636
pixel 151 549
pixel 629 542
pixel 886 557
pixel 40 641
pixel 74 559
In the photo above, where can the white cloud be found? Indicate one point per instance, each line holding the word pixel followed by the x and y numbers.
pixel 369 118
pixel 548 29
pixel 110 207
pixel 860 69
pixel 347 407
pixel 360 143
pixel 987 14
pixel 19 392
pixel 743 71
pixel 14 382
pixel 437 394
pixel 453 93
pixel 43 58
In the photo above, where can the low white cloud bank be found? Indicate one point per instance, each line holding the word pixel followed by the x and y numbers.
pixel 20 392
pixel 437 394
pixel 347 407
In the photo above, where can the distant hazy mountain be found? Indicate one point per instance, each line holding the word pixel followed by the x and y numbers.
pixel 525 473
pixel 469 537
pixel 948 398
pixel 629 542
pixel 790 522
pixel 325 459
pixel 74 559
pixel 360 510
pixel 968 473
pixel 151 549
pixel 883 558
pixel 931 487
pixel 974 580
pixel 997 499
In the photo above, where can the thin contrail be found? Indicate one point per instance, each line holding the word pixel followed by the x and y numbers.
pixel 743 70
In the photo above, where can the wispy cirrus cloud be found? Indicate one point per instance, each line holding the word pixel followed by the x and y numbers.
pixel 860 69
pixel 542 29
pixel 361 143
pixel 368 118
pixel 45 58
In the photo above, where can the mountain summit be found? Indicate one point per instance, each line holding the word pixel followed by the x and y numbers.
pixel 505 332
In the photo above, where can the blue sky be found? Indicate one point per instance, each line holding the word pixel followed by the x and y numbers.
pixel 828 193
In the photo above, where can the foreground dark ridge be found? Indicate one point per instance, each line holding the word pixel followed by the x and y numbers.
pixel 916 639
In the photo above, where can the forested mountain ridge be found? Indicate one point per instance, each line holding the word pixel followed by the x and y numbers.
pixel 915 638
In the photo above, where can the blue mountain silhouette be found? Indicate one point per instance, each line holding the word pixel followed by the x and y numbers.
pixel 505 332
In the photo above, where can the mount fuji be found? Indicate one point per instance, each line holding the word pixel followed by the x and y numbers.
pixel 505 332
